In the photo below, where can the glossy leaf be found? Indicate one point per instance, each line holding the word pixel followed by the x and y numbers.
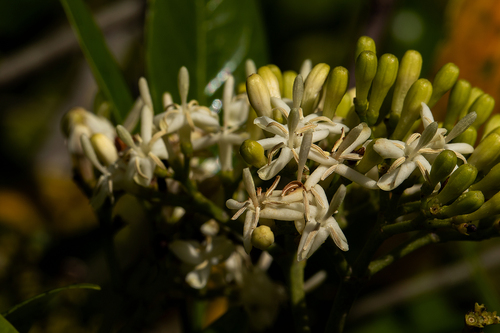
pixel 104 67
pixel 211 38
pixel 6 327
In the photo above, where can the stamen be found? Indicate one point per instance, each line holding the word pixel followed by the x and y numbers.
pixel 319 150
pixel 329 171
pixel 273 151
pixel 339 141
pixel 273 186
pixel 138 169
pixel 397 163
pixel 157 161
pixel 412 138
pixel 281 127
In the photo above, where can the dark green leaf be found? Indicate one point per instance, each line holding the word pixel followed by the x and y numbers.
pixel 101 61
pixel 6 327
pixel 210 38
pixel 23 315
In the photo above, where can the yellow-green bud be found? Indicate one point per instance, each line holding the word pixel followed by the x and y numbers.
pixel 259 96
pixel 409 71
pixel 336 87
pixel 298 92
pixel 369 160
pixel 352 119
pixel 483 106
pixel 459 181
pixel 364 71
pixel 474 94
pixel 468 136
pixel 288 79
pixel 262 237
pixel 490 182
pixel 387 72
pixel 443 165
pixel 312 87
pixel 271 81
pixel 492 124
pixel 486 153
pixel 419 93
pixel 457 101
pixel 364 43
pixel 489 208
pixel 277 72
pixel 467 203
pixel 253 153
pixel 104 148
pixel 345 105
pixel 444 80
pixel 183 84
pixel 278 116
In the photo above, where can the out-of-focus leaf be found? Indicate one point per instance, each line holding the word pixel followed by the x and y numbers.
pixel 23 315
pixel 101 61
pixel 233 321
pixel 6 327
pixel 211 38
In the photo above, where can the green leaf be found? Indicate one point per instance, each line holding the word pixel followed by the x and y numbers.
pixel 104 67
pixel 210 38
pixel 6 327
pixel 235 320
pixel 23 315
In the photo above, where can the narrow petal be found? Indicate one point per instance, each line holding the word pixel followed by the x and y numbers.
pixel 426 115
pixel 270 170
pixel 337 234
pixel 461 126
pixel 198 278
pixel 265 124
pixel 387 149
pixel 462 148
pixel 269 143
pixel 336 202
pixel 357 136
pixel 204 121
pixel 391 180
pixel 356 177
pixel 306 240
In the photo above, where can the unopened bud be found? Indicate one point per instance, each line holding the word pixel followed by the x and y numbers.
pixel 490 182
pixel 71 118
pixel 298 91
pixel 467 203
pixel 145 94
pixel 419 93
pixel 253 153
pixel 364 71
pixel 492 124
pixel 489 208
pixel 369 160
pixel 336 87
pixel 486 153
pixel 183 84
pixel 409 71
pixel 468 136
pixel 483 106
pixel 258 95
pixel 277 72
pixel 387 72
pixel 288 79
pixel 312 87
pixel 306 68
pixel 104 148
pixel 459 96
pixel 250 67
pixel 444 80
pixel 443 165
pixel 364 43
pixel 459 181
pixel 262 237
pixel 345 104
pixel 271 81
pixel 474 94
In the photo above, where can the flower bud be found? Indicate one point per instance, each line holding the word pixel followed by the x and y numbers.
pixel 409 71
pixel 459 96
pixel 262 237
pixel 258 95
pixel 492 124
pixel 364 43
pixel 483 106
pixel 336 87
pixel 419 93
pixel 104 148
pixel 369 160
pixel 313 86
pixel 489 208
pixel 468 136
pixel 277 72
pixel 474 94
pixel 271 81
pixel 71 118
pixel 490 182
pixel 253 153
pixel 346 103
pixel 250 67
pixel 145 94
pixel 486 153
pixel 443 165
pixel 444 80
pixel 183 84
pixel 387 72
pixel 364 71
pixel 467 203
pixel 288 79
pixel 305 68
pixel 459 181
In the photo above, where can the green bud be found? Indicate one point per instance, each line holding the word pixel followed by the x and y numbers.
pixel 253 153
pixel 345 105
pixel 444 81
pixel 277 72
pixel 259 96
pixel 492 124
pixel 183 84
pixel 443 165
pixel 364 43
pixel 409 71
pixel 298 92
pixel 336 87
pixel 490 182
pixel 352 119
pixel 288 79
pixel 387 72
pixel 467 203
pixel 474 94
pixel 483 106
pixel 468 136
pixel 369 160
pixel 104 148
pixel 364 71
pixel 262 237
pixel 459 181
pixel 486 153
pixel 489 208
pixel 457 101
pixel 271 81
pixel 312 87
pixel 419 93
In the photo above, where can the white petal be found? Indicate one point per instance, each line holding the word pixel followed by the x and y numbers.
pixel 391 180
pixel 271 142
pixel 264 122
pixel 460 147
pixel 357 136
pixel 268 171
pixel 206 141
pixel 461 126
pixel 146 123
pixel 279 103
pixel 175 121
pixel 307 239
pixel 204 121
pixel 198 278
pixel 320 135
pixel 337 234
pixel 426 115
pixel 160 150
pixel 187 251
pixel 282 214
pixel 356 177
pixel 336 202
pixel 387 149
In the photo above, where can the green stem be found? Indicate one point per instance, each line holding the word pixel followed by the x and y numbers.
pixel 298 295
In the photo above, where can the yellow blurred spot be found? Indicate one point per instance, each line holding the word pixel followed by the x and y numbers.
pixel 18 212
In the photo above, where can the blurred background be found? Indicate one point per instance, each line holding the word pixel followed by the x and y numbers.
pixel 46 222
